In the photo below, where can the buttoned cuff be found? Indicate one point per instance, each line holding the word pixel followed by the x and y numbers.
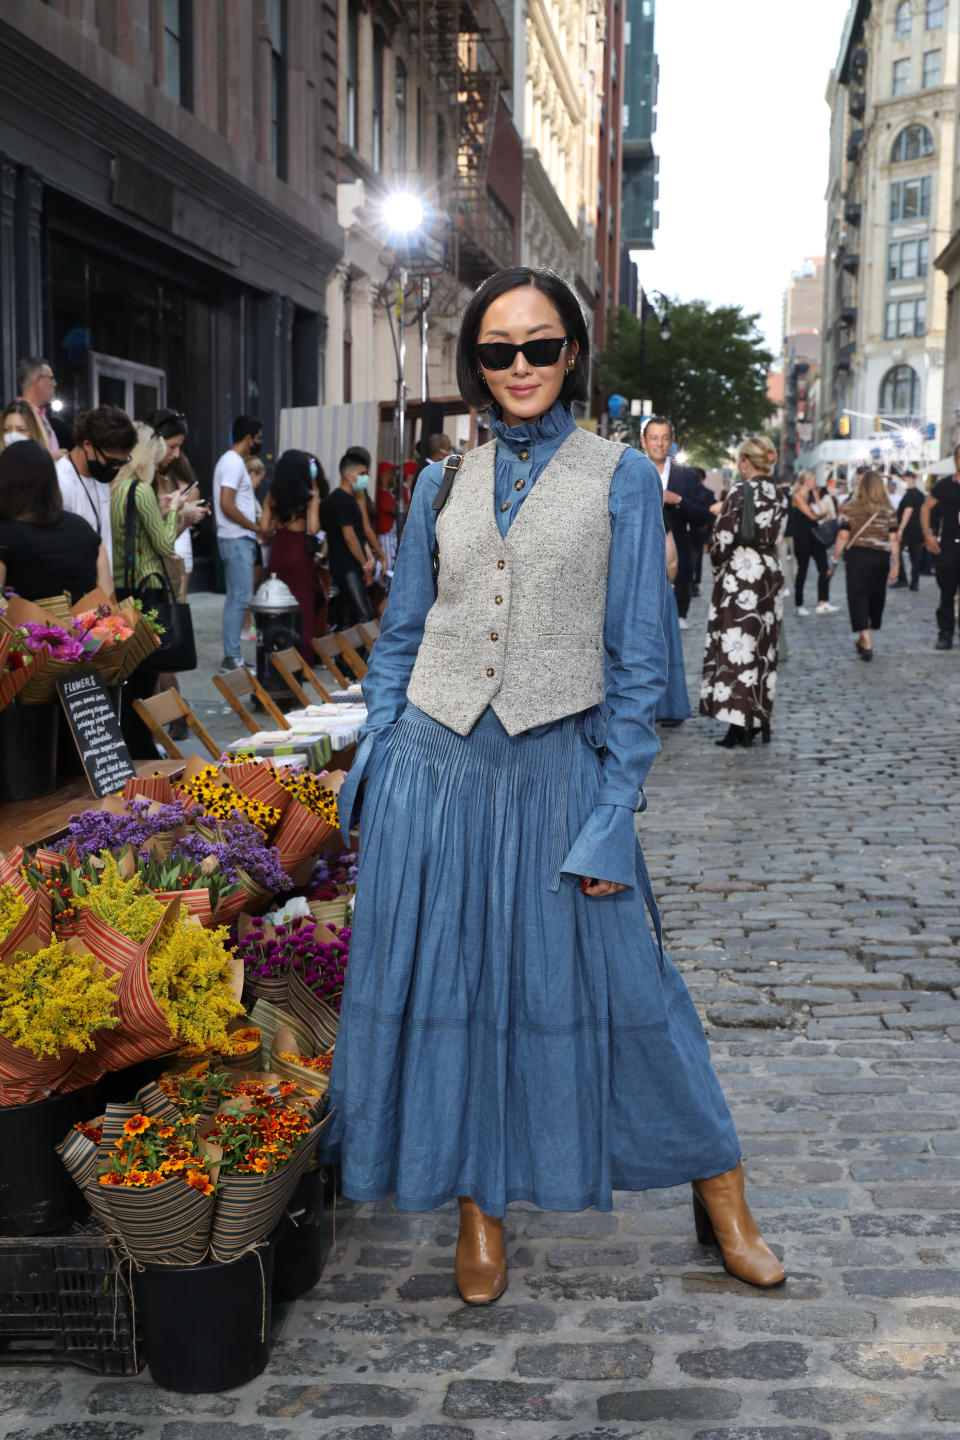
pixel 606 847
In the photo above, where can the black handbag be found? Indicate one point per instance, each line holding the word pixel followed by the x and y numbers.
pixel 177 649
pixel 826 532
pixel 746 526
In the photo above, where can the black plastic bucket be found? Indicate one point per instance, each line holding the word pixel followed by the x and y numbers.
pixel 299 1240
pixel 119 1086
pixel 206 1328
pixel 38 1196
pixel 28 751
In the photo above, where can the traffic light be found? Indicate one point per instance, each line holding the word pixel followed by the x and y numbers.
pixel 843 426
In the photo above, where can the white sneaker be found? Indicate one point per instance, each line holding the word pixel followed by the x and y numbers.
pixel 802 610
pixel 684 624
pixel 825 608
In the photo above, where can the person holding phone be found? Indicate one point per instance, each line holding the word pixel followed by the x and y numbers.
pixel 510 1028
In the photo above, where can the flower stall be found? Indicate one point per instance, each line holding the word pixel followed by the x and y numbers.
pixel 171 969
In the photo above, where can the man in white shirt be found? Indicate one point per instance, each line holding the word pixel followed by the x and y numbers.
pixel 103 439
pixel 235 511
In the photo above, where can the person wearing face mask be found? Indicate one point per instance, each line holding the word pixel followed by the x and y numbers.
pixel 350 538
pixel 102 441
pixel 235 511
pixel 19 422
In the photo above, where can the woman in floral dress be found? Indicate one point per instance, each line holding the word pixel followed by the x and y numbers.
pixel 740 659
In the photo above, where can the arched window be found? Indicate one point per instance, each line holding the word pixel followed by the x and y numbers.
pixel 903 20
pixel 900 392
pixel 912 144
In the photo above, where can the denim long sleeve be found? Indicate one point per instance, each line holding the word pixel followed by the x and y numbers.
pixel 635 665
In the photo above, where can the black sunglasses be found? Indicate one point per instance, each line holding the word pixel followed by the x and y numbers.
pixel 499 355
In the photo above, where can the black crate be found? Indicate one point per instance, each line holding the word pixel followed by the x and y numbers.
pixel 64 1300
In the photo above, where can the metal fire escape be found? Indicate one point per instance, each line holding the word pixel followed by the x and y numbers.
pixel 465 55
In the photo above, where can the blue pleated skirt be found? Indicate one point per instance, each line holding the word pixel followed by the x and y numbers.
pixel 503 1036
pixel 674 703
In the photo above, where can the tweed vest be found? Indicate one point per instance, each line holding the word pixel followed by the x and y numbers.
pixel 518 619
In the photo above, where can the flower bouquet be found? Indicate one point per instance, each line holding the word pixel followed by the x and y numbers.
pixel 240 1051
pixel 315 990
pixel 309 818
pixel 23 911
pixel 211 788
pixel 151 1179
pixel 95 634
pixel 147 826
pixel 266 1143
pixel 55 1002
pixel 289 1056
pixel 177 982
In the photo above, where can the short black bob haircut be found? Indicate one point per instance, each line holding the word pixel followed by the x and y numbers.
pixel 561 295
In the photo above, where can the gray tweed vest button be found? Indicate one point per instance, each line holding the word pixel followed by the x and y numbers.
pixel 518 620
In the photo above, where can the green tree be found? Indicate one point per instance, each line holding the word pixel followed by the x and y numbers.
pixel 710 377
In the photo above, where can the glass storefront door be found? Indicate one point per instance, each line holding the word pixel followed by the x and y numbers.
pixel 138 389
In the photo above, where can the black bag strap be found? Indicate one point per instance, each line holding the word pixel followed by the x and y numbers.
pixel 451 465
pixel 129 554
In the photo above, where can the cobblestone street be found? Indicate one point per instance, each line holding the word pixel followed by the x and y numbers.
pixel 809 890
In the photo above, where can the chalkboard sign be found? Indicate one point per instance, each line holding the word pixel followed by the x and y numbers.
pixel 96 730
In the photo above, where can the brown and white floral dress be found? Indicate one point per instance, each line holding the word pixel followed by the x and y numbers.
pixel 740 659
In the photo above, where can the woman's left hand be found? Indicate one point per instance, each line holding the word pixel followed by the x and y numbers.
pixel 596 888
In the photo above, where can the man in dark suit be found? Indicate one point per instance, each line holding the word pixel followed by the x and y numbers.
pixel 683 506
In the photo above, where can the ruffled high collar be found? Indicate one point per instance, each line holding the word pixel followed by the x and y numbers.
pixel 551 427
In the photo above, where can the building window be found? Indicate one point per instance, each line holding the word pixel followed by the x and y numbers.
pixel 910 199
pixel 931 69
pixel 900 392
pixel 400 101
pixel 913 143
pixel 353 66
pixel 177 48
pixel 908 259
pixel 903 20
pixel 901 77
pixel 277 25
pixel 905 319
pixel 377 105
pixel 934 18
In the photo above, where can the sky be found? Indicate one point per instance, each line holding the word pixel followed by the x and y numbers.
pixel 742 135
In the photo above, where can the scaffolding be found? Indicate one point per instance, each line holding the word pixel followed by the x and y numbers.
pixel 465 55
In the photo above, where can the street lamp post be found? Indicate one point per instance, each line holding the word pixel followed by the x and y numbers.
pixel 404 215
pixel 648 310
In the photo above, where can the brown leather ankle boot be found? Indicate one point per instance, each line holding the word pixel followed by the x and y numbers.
pixel 722 1217
pixel 481 1267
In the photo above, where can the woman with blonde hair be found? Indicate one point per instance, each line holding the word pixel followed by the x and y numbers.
pixel 743 623
pixel 19 422
pixel 868 535
pixel 808 512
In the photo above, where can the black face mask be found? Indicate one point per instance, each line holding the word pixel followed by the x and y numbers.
pixel 105 471
pixel 255 447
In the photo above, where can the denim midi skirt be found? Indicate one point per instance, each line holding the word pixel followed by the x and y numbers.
pixel 502 1035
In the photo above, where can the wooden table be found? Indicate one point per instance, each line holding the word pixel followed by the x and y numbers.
pixel 28 822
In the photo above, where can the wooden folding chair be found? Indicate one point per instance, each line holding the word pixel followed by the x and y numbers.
pixel 288 665
pixel 346 641
pixel 329 652
pixel 370 630
pixel 170 705
pixel 235 684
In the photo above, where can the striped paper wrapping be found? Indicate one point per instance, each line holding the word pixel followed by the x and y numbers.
pixel 320 1018
pixel 249 1206
pixel 230 907
pixel 143 1030
pixel 168 1224
pixel 256 780
pixel 299 834
pixel 25 1077
pixel 150 787
pixel 38 919
pixel 331 912
pixel 286 1039
pixel 194 902
pixel 269 1019
pixel 47 861
pixel 270 988
pixel 254 896
pixel 81 1158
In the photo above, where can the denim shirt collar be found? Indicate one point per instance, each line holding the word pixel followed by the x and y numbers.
pixel 544 435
